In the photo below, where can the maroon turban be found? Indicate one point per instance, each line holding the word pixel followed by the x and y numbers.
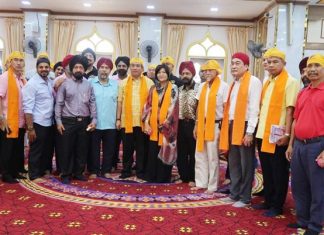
pixel 242 56
pixel 187 65
pixel 105 60
pixel 66 60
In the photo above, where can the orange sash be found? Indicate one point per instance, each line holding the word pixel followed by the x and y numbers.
pixel 13 105
pixel 274 111
pixel 154 120
pixel 206 126
pixel 239 115
pixel 128 101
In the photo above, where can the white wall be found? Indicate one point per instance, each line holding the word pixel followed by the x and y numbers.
pixel 314 31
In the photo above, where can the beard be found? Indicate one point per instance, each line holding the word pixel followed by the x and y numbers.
pixel 186 81
pixel 44 74
pixel 121 72
pixel 78 75
pixel 305 81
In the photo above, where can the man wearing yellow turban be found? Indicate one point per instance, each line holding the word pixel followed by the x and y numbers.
pixel 132 95
pixel 306 150
pixel 169 61
pixel 212 96
pixel 12 121
pixel 276 114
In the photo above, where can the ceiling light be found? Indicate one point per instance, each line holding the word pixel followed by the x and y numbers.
pixel 87 4
pixel 152 19
pixel 25 2
pixel 214 9
pixel 150 7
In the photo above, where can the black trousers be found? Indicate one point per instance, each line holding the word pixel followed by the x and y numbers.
pixel 186 150
pixel 156 170
pixel 12 154
pixel 41 151
pixel 275 171
pixel 136 141
pixel 107 138
pixel 74 143
pixel 118 140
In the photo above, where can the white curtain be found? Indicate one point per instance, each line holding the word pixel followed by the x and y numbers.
pixel 63 33
pixel 175 41
pixel 127 38
pixel 14 35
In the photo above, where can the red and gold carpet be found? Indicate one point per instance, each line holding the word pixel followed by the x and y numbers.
pixel 104 206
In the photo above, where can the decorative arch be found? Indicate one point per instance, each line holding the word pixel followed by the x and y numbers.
pixel 102 46
pixel 207 49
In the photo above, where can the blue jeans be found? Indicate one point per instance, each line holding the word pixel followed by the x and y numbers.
pixel 307 181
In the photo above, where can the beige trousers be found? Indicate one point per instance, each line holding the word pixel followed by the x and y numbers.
pixel 207 164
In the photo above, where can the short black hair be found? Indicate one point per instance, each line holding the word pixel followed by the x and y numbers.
pixel 58 64
pixel 162 66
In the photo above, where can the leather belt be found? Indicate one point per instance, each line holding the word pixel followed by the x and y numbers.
pixel 311 140
pixel 76 119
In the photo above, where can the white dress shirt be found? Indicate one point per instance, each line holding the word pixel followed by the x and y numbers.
pixel 253 105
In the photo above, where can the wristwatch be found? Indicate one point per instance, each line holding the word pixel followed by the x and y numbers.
pixel 249 133
pixel 30 128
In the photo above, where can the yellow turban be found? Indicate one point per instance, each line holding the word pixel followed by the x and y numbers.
pixel 213 65
pixel 52 65
pixel 167 59
pixel 274 52
pixel 42 55
pixel 151 66
pixel 203 67
pixel 316 59
pixel 16 55
pixel 137 60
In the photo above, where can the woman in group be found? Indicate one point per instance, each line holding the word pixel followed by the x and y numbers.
pixel 160 116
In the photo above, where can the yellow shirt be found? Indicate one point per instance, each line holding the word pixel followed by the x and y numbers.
pixel 291 91
pixel 136 109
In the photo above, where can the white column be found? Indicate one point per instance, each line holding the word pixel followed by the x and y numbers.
pixel 36 27
pixel 150 29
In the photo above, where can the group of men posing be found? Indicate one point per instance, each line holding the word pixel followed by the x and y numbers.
pixel 92 108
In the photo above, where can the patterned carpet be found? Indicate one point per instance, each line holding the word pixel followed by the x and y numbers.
pixel 111 206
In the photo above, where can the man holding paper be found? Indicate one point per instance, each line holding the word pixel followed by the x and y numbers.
pixel 277 106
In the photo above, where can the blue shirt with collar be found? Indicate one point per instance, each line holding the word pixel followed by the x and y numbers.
pixel 38 100
pixel 106 102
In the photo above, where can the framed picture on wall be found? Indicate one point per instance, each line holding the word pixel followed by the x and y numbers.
pixel 322 28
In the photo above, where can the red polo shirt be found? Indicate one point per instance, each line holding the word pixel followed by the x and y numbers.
pixel 309 113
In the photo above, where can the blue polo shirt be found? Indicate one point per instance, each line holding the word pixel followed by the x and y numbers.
pixel 106 102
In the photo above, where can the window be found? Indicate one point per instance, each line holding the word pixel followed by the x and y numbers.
pixel 207 49
pixel 1 56
pixel 102 47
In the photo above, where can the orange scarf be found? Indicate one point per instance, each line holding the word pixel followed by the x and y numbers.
pixel 239 115
pixel 13 105
pixel 154 120
pixel 128 101
pixel 275 106
pixel 207 123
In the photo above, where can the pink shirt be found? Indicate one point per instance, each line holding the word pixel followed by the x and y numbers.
pixel 4 96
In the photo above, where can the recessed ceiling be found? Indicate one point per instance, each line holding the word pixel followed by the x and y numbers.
pixel 227 9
